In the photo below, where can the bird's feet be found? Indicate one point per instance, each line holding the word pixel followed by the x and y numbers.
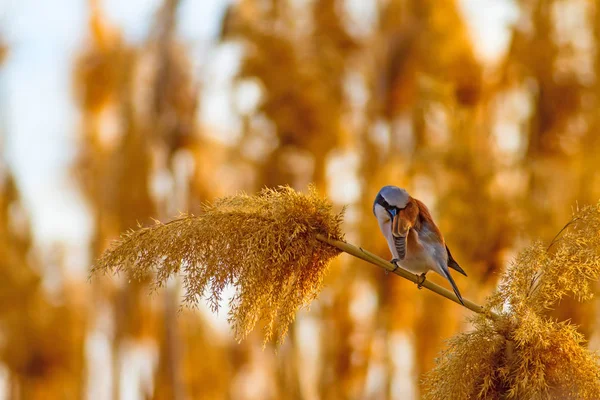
pixel 421 280
pixel 395 262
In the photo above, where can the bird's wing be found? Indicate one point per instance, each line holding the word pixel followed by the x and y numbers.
pixel 453 264
pixel 400 244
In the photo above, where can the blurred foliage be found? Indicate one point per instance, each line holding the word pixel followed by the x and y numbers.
pixel 3 51
pixel 42 335
pixel 499 150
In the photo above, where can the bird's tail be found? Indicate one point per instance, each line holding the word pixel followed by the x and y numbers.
pixel 454 287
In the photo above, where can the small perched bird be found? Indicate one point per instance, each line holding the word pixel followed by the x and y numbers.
pixel 415 241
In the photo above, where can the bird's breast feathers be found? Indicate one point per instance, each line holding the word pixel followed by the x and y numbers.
pixel 424 251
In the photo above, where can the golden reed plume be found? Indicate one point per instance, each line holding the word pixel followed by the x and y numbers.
pixel 274 249
pixel 266 246
pixel 525 354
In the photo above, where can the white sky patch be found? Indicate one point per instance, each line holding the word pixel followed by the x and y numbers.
pixel 134 17
pixel 41 117
pixel 508 137
pixel 573 31
pixel 139 360
pixel 110 126
pixel 308 333
pixel 375 381
pixel 361 16
pixel 217 112
pixel 357 96
pixel 572 24
pixel 490 24
pixel 262 141
pixel 248 94
pixel 4 6
pixel 4 382
pixel 98 354
pixel 254 381
pixel 99 366
pixel 364 302
pixel 355 90
pixel 380 135
pixel 342 178
pixel 201 19
pixel 513 109
pixel 401 351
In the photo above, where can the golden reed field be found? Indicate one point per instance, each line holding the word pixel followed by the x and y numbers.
pixel 243 260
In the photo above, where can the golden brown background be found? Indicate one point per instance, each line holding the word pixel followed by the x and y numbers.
pixel 500 147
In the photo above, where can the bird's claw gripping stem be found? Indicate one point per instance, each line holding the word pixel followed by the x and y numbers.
pixel 395 262
pixel 421 281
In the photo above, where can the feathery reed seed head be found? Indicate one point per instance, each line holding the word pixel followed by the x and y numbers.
pixel 263 245
pixel 524 354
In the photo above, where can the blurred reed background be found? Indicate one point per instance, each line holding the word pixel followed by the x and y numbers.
pixel 487 112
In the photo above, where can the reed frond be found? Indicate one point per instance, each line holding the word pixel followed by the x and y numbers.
pixel 524 354
pixel 265 246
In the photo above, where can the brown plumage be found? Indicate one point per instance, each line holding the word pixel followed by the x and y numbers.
pixel 414 239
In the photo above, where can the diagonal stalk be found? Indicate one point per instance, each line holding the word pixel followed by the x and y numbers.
pixel 380 262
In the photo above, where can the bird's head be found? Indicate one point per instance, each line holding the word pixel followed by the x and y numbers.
pixel 395 205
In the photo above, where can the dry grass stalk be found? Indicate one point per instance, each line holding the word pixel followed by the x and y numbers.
pixel 264 245
pixel 374 259
pixel 525 354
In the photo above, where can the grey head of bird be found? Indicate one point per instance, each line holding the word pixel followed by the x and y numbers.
pixel 392 200
pixel 388 207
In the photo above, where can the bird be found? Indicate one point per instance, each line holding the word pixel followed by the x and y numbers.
pixel 415 241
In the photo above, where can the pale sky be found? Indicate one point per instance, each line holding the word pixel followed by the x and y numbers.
pixel 35 88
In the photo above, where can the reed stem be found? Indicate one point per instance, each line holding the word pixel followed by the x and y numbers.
pixel 388 266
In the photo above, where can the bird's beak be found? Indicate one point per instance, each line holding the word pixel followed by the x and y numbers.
pixel 400 226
